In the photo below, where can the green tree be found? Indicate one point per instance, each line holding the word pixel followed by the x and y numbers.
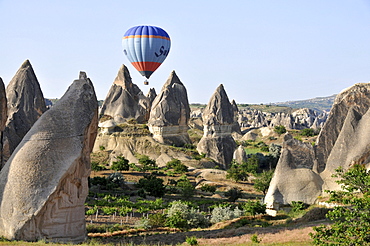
pixel 280 129
pixel 121 164
pixel 236 173
pixel 187 189
pixel 96 167
pixel 352 219
pixel 262 181
pixel 147 163
pixel 153 185
pixel 177 165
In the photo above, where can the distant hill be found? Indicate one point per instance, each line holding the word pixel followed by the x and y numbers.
pixel 317 103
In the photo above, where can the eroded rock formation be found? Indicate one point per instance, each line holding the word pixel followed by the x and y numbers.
pixel 170 113
pixel 26 104
pixel 343 141
pixel 3 106
pixel 218 121
pixel 125 100
pixel 43 186
pixel 294 178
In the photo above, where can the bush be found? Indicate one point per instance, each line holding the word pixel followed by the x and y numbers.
pixel 96 167
pixel 157 220
pixel 236 173
pixel 233 194
pixel 221 213
pixel 177 166
pixel 187 189
pixel 116 178
pixel 101 181
pixel 121 164
pixel 298 206
pixel 208 188
pixel 262 181
pixel 280 129
pixel 147 163
pixel 255 239
pixel 153 185
pixel 142 223
pixel 254 207
pixel 191 240
pixel 307 132
pixel 180 215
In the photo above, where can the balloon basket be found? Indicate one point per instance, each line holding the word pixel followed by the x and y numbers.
pixel 146 82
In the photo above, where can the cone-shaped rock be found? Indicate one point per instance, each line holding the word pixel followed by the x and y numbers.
pixel 170 113
pixel 151 95
pixel 218 120
pixel 356 97
pixel 125 100
pixel 43 186
pixel 26 104
pixel 239 155
pixel 294 178
pixel 302 172
pixel 236 126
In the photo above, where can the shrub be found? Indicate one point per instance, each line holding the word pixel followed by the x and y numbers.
pixel 121 164
pixel 147 163
pixel 221 213
pixel 208 188
pixel 153 185
pixel 180 215
pixel 262 181
pixel 157 220
pixel 142 223
pixel 298 206
pixel 280 129
pixel 191 240
pixel 96 167
pixel 177 166
pixel 233 194
pixel 116 178
pixel 254 207
pixel 236 173
pixel 101 181
pixel 255 239
pixel 307 132
pixel 187 189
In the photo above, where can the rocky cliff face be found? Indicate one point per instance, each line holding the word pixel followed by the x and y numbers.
pixel 43 186
pixel 294 178
pixel 343 141
pixel 218 120
pixel 26 104
pixel 170 113
pixel 3 107
pixel 125 100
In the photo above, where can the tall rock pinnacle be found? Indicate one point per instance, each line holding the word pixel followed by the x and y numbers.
pixel 26 104
pixel 218 120
pixel 170 113
pixel 125 100
pixel 43 186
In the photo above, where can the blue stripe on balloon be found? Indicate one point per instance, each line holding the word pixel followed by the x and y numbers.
pixel 146 30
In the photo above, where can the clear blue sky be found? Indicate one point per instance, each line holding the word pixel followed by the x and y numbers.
pixel 262 51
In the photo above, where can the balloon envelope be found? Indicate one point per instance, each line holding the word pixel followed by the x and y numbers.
pixel 146 47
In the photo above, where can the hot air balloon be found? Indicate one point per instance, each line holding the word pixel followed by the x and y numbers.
pixel 146 47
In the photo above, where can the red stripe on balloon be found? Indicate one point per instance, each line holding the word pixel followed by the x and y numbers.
pixel 146 66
